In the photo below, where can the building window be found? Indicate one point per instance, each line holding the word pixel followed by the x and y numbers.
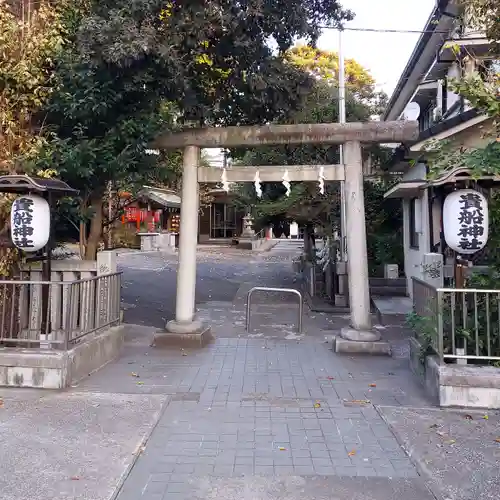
pixel 413 223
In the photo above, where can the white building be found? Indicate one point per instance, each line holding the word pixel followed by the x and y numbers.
pixel 445 49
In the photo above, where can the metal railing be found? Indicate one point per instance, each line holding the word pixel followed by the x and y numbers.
pixel 461 324
pixel 57 314
pixel 279 290
pixel 426 307
pixel 260 235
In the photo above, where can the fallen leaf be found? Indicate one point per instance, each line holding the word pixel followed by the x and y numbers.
pixel 441 433
pixel 433 426
pixel 352 453
pixel 1 403
pixel 485 417
pixel 140 383
pixel 330 378
pixel 75 478
pixel 497 440
pixel 317 405
pixel 184 353
pixel 134 374
pixel 356 402
pixel 468 417
pixel 450 441
pixel 372 385
pixel 281 448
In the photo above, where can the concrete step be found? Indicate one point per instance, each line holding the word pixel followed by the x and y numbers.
pixel 392 310
pixel 388 292
pixel 399 282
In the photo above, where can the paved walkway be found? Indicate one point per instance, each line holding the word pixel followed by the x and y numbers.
pixel 269 413
pixel 266 414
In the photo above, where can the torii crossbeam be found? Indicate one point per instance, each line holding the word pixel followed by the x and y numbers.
pixel 185 327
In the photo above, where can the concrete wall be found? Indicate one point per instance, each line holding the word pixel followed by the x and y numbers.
pixel 51 369
pixel 414 256
pixel 452 385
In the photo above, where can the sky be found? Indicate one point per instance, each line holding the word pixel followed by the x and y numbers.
pixel 384 54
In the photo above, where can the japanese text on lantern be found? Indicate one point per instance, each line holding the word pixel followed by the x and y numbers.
pixel 22 219
pixel 471 221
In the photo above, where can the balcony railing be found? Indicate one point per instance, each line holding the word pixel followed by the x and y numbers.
pixel 57 314
pixel 458 324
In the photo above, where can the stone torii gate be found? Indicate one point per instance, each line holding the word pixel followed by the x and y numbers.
pixel 185 328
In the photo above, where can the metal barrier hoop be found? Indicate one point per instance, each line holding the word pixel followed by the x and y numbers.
pixel 268 289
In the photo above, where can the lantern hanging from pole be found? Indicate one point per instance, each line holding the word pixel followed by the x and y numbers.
pixel 465 221
pixel 286 183
pixel 30 223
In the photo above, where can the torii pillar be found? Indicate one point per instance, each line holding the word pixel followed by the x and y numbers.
pixel 359 337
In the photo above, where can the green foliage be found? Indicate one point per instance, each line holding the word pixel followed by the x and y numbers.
pixel 442 157
pixel 384 227
pixel 483 93
pixel 131 70
pixel 213 58
pixel 28 46
pixel 483 14
pixel 324 65
pixel 468 319
pixel 305 203
pixel 425 330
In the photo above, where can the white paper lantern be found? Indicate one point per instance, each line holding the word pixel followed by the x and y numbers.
pixel 465 221
pixel 30 223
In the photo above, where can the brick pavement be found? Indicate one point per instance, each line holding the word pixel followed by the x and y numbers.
pixel 259 407
pixel 270 414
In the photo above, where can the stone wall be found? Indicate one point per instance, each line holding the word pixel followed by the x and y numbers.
pixel 452 385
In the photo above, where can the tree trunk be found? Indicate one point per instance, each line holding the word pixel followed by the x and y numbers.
pixel 95 232
pixel 83 240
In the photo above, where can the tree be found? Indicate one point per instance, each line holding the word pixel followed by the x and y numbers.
pixel 482 90
pixel 323 65
pixel 304 204
pixel 31 35
pixel 135 69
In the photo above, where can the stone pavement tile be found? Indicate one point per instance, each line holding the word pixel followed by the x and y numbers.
pixel 280 418
pixel 70 444
pixel 308 488
pixel 456 450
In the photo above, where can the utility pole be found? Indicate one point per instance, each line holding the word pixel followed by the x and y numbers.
pixel 342 298
pixel 342 119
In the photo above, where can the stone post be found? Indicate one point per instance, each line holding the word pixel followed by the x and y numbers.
pixel 106 264
pixel 432 269
pixel 185 328
pixel 360 329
